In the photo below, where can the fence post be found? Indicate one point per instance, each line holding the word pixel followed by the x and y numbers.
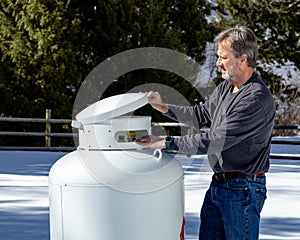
pixel 48 128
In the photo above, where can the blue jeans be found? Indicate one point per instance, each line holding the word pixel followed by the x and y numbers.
pixel 231 209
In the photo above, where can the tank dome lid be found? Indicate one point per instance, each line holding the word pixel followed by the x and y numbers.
pixel 111 107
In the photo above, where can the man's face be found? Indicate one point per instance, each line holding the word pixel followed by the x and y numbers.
pixel 228 63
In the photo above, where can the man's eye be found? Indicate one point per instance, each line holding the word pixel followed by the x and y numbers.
pixel 220 57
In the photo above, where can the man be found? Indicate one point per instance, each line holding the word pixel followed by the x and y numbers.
pixel 240 115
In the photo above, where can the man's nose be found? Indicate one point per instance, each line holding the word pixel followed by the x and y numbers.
pixel 219 62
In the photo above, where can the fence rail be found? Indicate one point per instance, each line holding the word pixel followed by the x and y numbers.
pixel 36 134
pixel 48 134
pixel 35 120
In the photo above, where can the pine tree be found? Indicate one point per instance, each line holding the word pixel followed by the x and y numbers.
pixel 35 43
pixel 49 47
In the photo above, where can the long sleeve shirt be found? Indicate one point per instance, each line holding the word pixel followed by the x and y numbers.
pixel 240 127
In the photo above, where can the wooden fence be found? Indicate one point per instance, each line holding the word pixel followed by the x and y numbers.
pixel 48 134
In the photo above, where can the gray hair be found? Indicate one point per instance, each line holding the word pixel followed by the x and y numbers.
pixel 242 40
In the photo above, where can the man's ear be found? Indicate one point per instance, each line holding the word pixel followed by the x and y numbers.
pixel 244 57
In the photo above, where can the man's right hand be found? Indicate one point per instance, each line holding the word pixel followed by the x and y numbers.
pixel 155 101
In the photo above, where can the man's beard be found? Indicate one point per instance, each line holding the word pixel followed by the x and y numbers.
pixel 232 74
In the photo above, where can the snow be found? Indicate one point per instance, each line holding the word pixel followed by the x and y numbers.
pixel 288 71
pixel 208 69
pixel 24 205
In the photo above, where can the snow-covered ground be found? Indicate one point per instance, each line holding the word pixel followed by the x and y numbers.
pixel 24 205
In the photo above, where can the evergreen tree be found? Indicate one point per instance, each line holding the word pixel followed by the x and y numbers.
pixel 37 50
pixel 153 23
pixel 48 47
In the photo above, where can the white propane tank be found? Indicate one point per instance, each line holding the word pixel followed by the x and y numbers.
pixel 110 188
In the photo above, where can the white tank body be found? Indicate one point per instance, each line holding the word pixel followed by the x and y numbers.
pixel 110 188
pixel 83 207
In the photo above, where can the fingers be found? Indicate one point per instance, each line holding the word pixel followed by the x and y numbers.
pixel 151 142
pixel 155 101
pixel 153 97
pixel 145 140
